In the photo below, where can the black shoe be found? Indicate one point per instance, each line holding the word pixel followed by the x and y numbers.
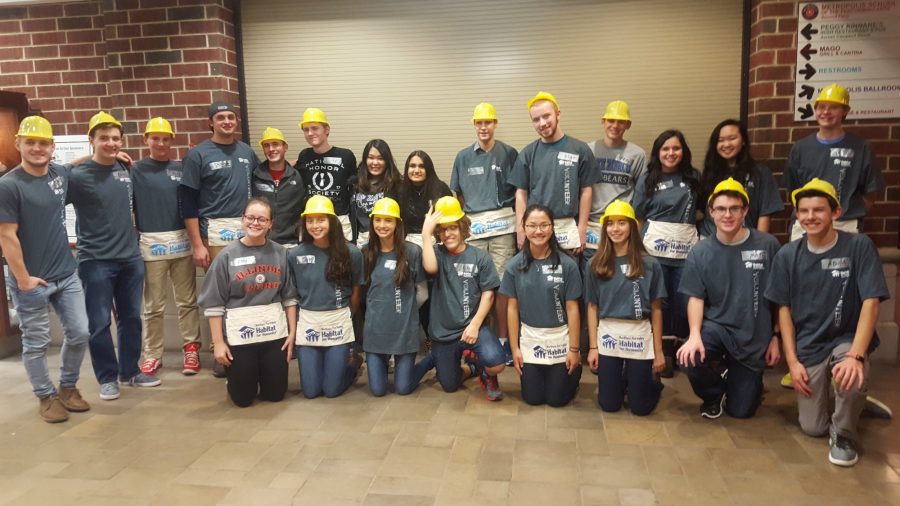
pixel 713 409
pixel 669 370
pixel 218 370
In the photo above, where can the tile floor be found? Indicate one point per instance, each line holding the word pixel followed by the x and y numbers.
pixel 184 443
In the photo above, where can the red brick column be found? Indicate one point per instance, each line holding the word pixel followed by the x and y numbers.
pixel 139 59
pixel 773 60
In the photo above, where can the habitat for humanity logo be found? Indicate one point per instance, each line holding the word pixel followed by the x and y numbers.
pixel 159 249
pixel 264 330
pixel 312 336
pixel 593 237
pixel 625 343
pixel 226 234
pixel 663 246
pixel 324 335
pixel 541 352
pixel 483 228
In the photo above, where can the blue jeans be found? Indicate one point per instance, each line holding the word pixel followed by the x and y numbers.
pixel 33 309
pixel 447 355
pixel 407 373
pixel 742 386
pixel 325 370
pixel 120 282
pixel 618 376
pixel 674 307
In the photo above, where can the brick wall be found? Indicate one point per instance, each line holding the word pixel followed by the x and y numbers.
pixel 773 59
pixel 135 58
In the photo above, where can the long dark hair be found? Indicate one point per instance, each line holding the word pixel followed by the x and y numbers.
pixel 390 177
pixel 372 249
pixel 716 169
pixel 555 250
pixel 603 265
pixel 654 166
pixel 337 270
pixel 432 186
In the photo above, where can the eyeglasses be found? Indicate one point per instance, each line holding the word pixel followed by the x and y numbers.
pixel 728 210
pixel 538 226
pixel 258 219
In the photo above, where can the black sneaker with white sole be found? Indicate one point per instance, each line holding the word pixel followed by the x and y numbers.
pixel 713 409
pixel 841 451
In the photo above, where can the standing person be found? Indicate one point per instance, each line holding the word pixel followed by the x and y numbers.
pixel 480 180
pixel 327 170
pixel 378 177
pixel 665 200
pixel 42 270
pixel 556 170
pixel 249 297
pixel 831 337
pixel 624 290
pixel 620 164
pixel 166 250
pixel 215 188
pixel 109 259
pixel 728 156
pixel 419 189
pixel 731 324
pixel 394 278
pixel 328 274
pixel 278 182
pixel 841 158
pixel 543 285
pixel 464 284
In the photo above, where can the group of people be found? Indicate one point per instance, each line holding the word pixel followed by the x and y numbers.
pixel 544 259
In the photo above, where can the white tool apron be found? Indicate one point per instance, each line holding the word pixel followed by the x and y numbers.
pixel 222 231
pixel 566 233
pixel 670 240
pixel 593 234
pixel 255 324
pixel 625 338
pixel 165 245
pixel 324 328
pixel 544 346
pixel 493 223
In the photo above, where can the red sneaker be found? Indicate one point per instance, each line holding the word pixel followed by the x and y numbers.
pixel 150 366
pixel 191 359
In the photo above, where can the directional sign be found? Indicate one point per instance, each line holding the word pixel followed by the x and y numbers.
pixel 854 44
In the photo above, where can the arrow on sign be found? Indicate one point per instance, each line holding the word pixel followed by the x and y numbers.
pixel 808 71
pixel 805 111
pixel 808 50
pixel 808 31
pixel 807 92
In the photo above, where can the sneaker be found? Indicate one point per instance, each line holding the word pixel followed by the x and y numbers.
pixel 151 365
pixel 491 385
pixel 471 360
pixel 52 410
pixel 71 399
pixel 877 408
pixel 144 380
pixel 218 370
pixel 842 451
pixel 191 364
pixel 109 391
pixel 713 409
pixel 786 381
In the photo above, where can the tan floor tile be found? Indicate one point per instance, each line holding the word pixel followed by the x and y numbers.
pixel 745 461
pixel 394 485
pixel 613 471
pixel 350 466
pixel 397 500
pixel 496 466
pixel 292 481
pixel 191 495
pixel 637 497
pixel 240 496
pixel 466 449
pixel 322 488
pixel 411 461
pixel 231 456
pixel 692 433
pixel 636 432
pixel 591 442
pixel 539 494
pixel 360 445
pixel 596 495
pixel 661 460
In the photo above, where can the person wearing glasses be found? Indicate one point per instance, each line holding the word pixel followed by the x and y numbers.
pixel 731 323
pixel 249 297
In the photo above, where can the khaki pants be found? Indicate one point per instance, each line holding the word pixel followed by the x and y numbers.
pixel 501 248
pixel 183 276
pixel 848 405
pixel 213 253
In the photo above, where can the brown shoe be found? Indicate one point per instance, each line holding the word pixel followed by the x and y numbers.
pixel 52 410
pixel 71 399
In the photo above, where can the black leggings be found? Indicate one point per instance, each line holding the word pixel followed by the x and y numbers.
pixel 257 369
pixel 549 384
pixel 618 376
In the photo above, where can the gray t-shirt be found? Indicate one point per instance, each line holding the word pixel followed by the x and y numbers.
pixel 673 202
pixel 619 169
pixel 554 174
pixel 156 195
pixel 825 291
pixel 392 316
pixel 243 276
pixel 103 199
pixel 481 177
pixel 458 285
pixel 623 298
pixel 846 164
pixel 221 173
pixel 542 290
pixel 308 263
pixel 731 280
pixel 330 174
pixel 37 205
pixel 764 200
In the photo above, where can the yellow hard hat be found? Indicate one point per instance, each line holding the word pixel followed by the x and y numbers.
pixel 271 134
pixel 158 125
pixel 318 204
pixel 617 109
pixel 543 95
pixel 818 185
pixel 618 208
pixel 102 118
pixel 728 185
pixel 484 112
pixel 834 93
pixel 36 127
pixel 386 207
pixel 313 115
pixel 450 210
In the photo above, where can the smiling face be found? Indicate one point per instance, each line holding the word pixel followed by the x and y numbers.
pixel 274 150
pixel 545 120
pixel 375 163
pixel 830 115
pixel 415 170
pixel 316 134
pixel 384 226
pixel 35 152
pixel 223 124
pixel 670 154
pixel 815 214
pixel 106 141
pixel 160 145
pixel 257 221
pixel 451 237
pixel 484 130
pixel 730 143
pixel 618 228
pixel 318 226
pixel 728 213
pixel 538 228
pixel 615 129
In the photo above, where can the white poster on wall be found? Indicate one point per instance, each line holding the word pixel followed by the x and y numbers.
pixel 854 44
pixel 68 149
